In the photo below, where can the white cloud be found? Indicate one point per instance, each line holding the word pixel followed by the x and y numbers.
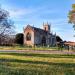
pixel 16 12
pixel 19 12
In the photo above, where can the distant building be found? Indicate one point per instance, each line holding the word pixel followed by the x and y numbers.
pixel 70 45
pixel 36 36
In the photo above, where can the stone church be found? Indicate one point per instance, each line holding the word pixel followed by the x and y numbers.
pixel 36 36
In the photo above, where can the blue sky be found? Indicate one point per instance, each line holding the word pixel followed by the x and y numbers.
pixel 35 12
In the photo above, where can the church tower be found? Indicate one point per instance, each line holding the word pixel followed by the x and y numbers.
pixel 46 27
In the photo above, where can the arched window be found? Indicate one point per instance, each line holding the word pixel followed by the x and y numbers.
pixel 28 36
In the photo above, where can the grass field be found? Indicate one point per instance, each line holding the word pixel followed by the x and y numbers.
pixel 20 47
pixel 36 64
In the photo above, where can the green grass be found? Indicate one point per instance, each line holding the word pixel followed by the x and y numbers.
pixel 20 47
pixel 36 64
pixel 41 55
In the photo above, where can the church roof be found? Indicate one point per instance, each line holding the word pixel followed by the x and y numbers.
pixel 41 31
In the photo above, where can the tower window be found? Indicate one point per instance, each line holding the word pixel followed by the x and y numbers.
pixel 28 36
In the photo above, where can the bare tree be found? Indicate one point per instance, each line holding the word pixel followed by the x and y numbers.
pixel 6 25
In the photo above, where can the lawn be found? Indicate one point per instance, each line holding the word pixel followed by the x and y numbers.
pixel 36 64
pixel 19 47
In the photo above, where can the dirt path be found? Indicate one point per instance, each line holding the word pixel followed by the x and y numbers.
pixel 39 51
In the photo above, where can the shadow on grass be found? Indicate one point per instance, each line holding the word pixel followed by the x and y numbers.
pixel 41 55
pixel 54 68
pixel 38 62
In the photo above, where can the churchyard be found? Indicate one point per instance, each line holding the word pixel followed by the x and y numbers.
pixel 46 53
